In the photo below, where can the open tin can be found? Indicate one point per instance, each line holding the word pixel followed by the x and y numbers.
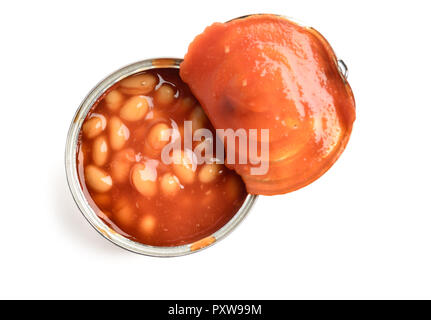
pixel 78 194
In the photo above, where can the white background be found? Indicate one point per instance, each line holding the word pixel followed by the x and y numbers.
pixel 363 230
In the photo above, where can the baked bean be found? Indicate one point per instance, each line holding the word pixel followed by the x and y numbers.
pixel 210 172
pixel 127 183
pixel 120 171
pixel 126 154
pixel 114 100
pixel 134 109
pixel 94 126
pixel 103 200
pixel 165 94
pixel 144 179
pixel 184 166
pixel 121 165
pixel 198 118
pixel 97 179
pixel 185 105
pixel 147 224
pixel 124 212
pixel 170 184
pixel 100 150
pixel 188 103
pixel 138 84
pixel 118 133
pixel 159 135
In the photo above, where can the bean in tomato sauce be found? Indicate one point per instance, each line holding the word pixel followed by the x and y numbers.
pixel 122 174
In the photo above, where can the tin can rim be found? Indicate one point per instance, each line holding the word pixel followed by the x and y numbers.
pixel 78 194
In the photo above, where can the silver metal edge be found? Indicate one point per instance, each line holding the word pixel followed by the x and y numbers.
pixel 78 195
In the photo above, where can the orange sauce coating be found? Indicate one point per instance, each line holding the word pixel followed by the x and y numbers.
pixel 266 72
pixel 126 182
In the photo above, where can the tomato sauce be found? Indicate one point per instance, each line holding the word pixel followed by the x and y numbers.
pixel 124 178
pixel 266 72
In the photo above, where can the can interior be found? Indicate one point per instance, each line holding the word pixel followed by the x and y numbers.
pixel 79 197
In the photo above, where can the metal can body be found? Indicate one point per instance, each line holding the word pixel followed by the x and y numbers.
pixel 78 194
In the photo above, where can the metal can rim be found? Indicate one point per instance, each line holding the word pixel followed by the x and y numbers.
pixel 78 194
